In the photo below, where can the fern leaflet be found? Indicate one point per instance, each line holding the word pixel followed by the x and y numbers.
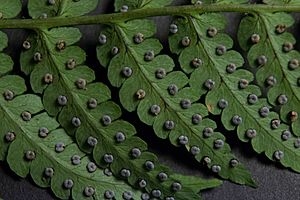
pixel 9 9
pixel 274 71
pixel 34 144
pixel 279 67
pixel 165 103
pixel 206 57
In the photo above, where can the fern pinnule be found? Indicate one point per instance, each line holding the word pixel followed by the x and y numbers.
pixel 10 9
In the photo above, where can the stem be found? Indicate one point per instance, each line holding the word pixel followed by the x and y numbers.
pixel 142 13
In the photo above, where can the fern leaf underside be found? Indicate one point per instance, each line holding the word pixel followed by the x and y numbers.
pixel 151 75
pixel 52 54
pixel 34 144
pixel 76 126
pixel 277 73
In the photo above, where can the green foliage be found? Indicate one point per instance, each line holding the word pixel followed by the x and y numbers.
pixel 67 124
pixel 6 63
pixel 93 121
pixel 52 54
pixel 16 85
pixel 8 84
pixel 9 9
pixel 28 153
pixel 145 78
pixel 230 86
pixel 271 45
pixel 205 41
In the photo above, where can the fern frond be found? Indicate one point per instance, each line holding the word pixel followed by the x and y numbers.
pixel 160 97
pixel 69 127
pixel 85 111
pixel 34 144
pixel 10 9
pixel 232 95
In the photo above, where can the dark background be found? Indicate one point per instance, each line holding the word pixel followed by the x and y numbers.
pixel 274 182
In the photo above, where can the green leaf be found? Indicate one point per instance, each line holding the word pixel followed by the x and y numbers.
pixel 16 85
pixel 10 85
pixel 6 63
pixel 43 155
pixel 64 8
pixel 65 83
pixel 228 85
pixel 3 41
pixel 271 46
pixel 139 4
pixel 67 36
pixel 156 90
pixel 212 68
pixel 10 9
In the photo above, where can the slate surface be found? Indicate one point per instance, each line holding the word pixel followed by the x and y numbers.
pixel 274 182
